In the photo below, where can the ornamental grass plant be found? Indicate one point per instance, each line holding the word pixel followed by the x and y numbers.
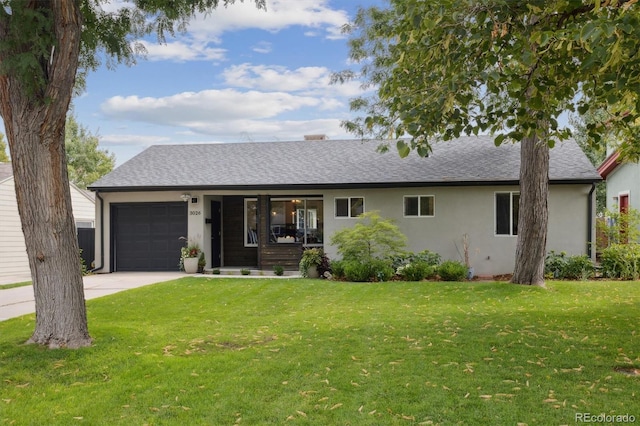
pixel 208 351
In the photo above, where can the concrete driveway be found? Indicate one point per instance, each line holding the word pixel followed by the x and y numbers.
pixel 15 302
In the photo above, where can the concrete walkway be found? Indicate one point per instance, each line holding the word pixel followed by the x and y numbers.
pixel 15 302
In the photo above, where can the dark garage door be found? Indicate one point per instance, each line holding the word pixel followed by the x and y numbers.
pixel 147 236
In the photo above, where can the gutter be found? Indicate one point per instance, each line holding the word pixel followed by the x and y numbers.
pixel 326 186
pixel 98 268
pixel 590 220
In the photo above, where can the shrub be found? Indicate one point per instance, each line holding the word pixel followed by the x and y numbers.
pixel 245 271
pixel 579 268
pixel 324 266
pixel 425 256
pixel 375 270
pixel 429 257
pixel 452 270
pixel 372 237
pixel 278 270
pixel 561 266
pixel 621 261
pixel 380 270
pixel 356 271
pixel 618 227
pixel 337 269
pixel 416 271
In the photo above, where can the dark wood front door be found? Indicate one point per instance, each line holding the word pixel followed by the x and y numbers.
pixel 216 234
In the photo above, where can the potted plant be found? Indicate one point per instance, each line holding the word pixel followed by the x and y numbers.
pixel 202 262
pixel 311 259
pixel 189 258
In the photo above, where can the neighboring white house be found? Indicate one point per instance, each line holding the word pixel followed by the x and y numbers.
pixel 623 182
pixel 257 204
pixel 13 256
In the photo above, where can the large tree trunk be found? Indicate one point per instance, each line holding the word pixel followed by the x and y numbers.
pixel 533 214
pixel 35 131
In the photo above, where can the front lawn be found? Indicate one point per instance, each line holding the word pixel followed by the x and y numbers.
pixel 202 351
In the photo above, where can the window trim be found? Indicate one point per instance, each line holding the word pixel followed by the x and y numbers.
pixel 419 215
pixel 335 210
pixel 495 213
pixel 246 227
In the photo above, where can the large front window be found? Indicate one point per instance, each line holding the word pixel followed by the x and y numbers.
pixel 296 220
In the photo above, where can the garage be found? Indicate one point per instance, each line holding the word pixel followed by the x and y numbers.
pixel 146 236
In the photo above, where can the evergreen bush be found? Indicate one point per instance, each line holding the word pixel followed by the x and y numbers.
pixel 452 270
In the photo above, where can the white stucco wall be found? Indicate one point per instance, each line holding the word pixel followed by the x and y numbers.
pixel 470 210
pixel 458 211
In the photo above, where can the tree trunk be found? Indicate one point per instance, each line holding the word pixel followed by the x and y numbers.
pixel 533 214
pixel 34 123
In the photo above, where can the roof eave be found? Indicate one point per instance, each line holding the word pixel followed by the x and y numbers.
pixel 609 164
pixel 323 186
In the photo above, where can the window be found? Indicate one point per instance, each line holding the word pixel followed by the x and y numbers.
pixel 419 205
pixel 507 213
pixel 251 222
pixel 349 207
pixel 296 221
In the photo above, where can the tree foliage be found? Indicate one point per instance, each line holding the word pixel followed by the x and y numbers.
pixel 86 162
pixel 455 67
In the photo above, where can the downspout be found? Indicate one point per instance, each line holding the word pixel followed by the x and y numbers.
pixel 590 220
pixel 98 268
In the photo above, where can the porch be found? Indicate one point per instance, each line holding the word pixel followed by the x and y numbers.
pixel 263 231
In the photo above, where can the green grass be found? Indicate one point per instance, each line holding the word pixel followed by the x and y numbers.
pixel 225 351
pixel 14 285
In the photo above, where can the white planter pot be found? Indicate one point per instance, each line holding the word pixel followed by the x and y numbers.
pixel 190 265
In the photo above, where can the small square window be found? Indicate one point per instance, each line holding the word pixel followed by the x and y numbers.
pixel 419 205
pixel 349 206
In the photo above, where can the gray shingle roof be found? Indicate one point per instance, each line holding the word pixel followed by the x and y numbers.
pixel 334 163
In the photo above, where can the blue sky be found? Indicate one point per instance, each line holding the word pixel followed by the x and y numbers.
pixel 239 75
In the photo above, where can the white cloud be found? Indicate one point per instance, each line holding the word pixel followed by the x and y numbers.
pixel 262 47
pixel 313 81
pixel 181 51
pixel 204 30
pixel 132 139
pixel 211 106
pixel 243 130
pixel 280 14
pixel 229 115
pixel 271 130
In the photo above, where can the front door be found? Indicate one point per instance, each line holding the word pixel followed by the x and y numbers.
pixel 216 234
pixel 624 219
